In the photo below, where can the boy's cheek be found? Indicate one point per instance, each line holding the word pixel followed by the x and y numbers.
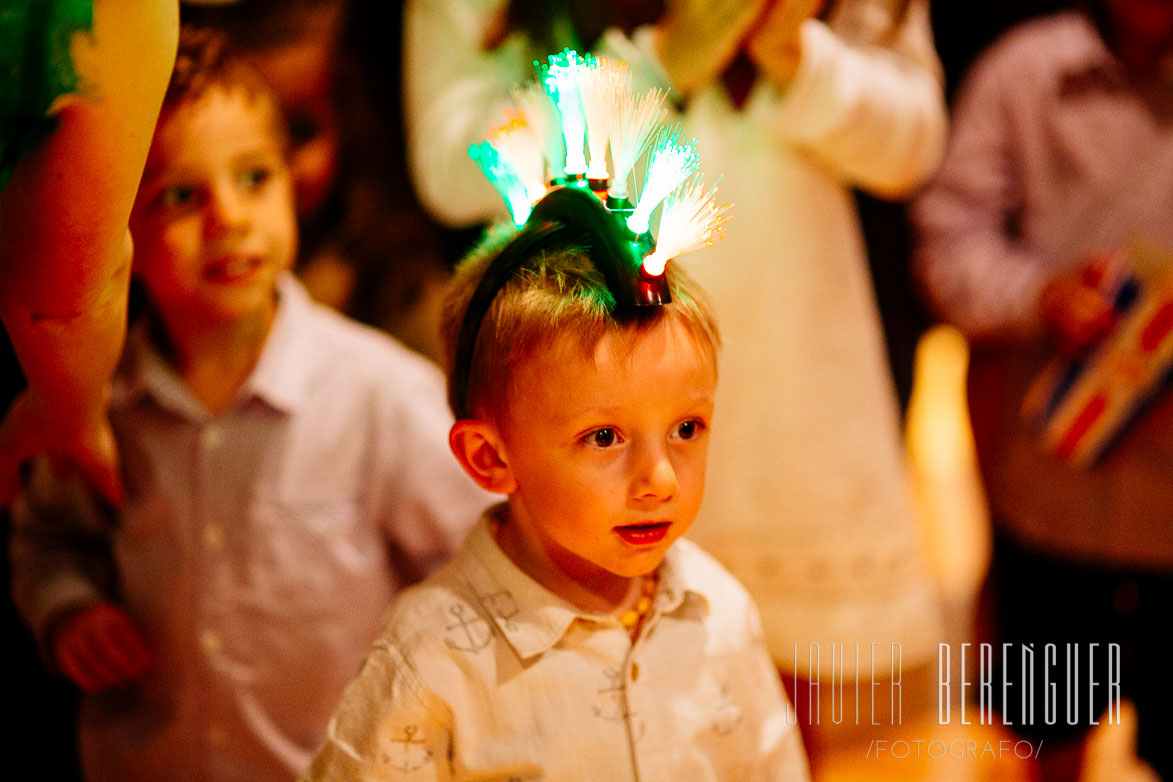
pixel 290 241
pixel 146 249
pixel 140 249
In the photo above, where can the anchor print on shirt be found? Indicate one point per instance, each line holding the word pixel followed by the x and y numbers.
pixel 611 705
pixel 728 713
pixel 503 606
pixel 405 754
pixel 469 632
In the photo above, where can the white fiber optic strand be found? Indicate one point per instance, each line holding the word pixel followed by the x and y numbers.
pixel 633 120
pixel 521 146
pixel 671 162
pixel 601 80
pixel 691 219
pixel 541 115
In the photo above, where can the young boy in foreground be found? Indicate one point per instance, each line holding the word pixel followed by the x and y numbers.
pixel 286 473
pixel 573 636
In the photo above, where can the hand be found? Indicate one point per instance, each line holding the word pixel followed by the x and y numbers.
pixel 1076 311
pixel 99 648
pixel 776 43
pixel 696 39
pixel 86 442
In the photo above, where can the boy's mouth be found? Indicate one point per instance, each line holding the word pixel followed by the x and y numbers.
pixel 643 534
pixel 232 268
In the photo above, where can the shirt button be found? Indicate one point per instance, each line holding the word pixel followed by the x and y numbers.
pixel 634 671
pixel 213 537
pixel 212 436
pixel 210 642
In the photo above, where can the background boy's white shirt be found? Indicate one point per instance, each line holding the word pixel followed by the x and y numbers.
pixel 257 549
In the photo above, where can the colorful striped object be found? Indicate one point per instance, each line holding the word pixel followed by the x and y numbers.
pixel 1085 406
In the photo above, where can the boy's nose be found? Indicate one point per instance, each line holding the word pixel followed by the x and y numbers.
pixel 656 479
pixel 226 210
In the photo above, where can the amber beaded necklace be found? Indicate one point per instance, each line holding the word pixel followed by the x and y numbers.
pixel 633 618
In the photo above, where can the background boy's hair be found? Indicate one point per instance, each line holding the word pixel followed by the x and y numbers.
pixel 259 24
pixel 555 293
pixel 206 59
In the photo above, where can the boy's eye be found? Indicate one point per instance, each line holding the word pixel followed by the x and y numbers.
pixel 176 195
pixel 302 129
pixel 253 177
pixel 601 438
pixel 687 430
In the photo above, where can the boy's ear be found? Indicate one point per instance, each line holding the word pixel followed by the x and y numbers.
pixel 477 446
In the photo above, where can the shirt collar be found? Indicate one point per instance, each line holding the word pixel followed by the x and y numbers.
pixel 281 377
pixel 1092 63
pixel 1091 59
pixel 283 373
pixel 530 617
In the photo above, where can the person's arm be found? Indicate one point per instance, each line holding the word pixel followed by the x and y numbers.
pixel 695 40
pixel 63 583
pixel 975 270
pixel 868 105
pixel 453 92
pixel 65 259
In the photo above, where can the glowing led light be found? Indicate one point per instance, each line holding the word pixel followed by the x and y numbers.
pixel 633 119
pixel 561 77
pixel 601 79
pixel 541 114
pixel 691 219
pixel 504 179
pixel 521 147
pixel 580 109
pixel 654 266
pixel 671 162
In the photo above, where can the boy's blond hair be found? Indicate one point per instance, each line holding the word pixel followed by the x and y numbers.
pixel 556 293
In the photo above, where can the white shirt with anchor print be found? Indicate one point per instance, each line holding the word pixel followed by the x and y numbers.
pixel 482 674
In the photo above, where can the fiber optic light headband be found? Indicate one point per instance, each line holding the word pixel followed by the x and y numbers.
pixel 566 217
pixel 549 162
pixel 582 125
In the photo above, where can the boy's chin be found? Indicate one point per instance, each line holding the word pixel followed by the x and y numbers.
pixel 641 565
pixel 243 303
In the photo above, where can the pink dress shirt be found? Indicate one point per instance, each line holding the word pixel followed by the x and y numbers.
pixel 257 549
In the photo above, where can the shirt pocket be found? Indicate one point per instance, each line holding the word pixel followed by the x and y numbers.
pixel 304 555
pixel 298 601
